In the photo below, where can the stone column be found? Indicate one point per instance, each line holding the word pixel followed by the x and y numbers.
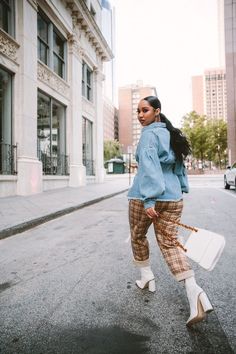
pixel 98 152
pixel 77 169
pixel 29 167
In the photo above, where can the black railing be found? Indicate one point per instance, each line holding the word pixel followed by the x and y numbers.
pixel 89 164
pixel 8 158
pixel 54 165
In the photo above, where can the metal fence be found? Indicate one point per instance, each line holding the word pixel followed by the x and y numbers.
pixel 54 165
pixel 8 158
pixel 89 164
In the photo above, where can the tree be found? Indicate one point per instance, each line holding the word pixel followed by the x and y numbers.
pixel 208 137
pixel 194 126
pixel 112 148
pixel 218 141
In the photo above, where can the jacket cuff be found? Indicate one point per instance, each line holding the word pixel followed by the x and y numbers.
pixel 149 203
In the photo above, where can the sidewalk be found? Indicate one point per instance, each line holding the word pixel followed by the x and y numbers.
pixel 20 213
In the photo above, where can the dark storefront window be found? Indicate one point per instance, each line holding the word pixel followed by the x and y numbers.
pixel 52 136
pixel 87 137
pixel 7 150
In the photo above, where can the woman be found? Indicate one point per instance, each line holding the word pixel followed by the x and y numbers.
pixel 156 197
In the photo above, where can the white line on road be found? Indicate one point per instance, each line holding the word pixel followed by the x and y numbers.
pixel 228 193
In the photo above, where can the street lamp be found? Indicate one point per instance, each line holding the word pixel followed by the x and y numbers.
pixel 129 150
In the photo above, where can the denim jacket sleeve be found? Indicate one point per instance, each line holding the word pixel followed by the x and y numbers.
pixel 151 180
pixel 180 171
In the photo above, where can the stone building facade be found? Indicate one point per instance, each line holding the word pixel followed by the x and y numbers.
pixel 51 84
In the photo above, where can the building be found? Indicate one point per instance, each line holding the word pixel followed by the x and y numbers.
pixel 230 56
pixel 51 93
pixel 198 94
pixel 109 109
pixel 209 94
pixel 129 126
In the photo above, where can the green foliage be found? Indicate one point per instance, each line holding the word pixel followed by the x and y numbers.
pixel 112 148
pixel 208 137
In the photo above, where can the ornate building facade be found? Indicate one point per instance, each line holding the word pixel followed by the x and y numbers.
pixel 51 88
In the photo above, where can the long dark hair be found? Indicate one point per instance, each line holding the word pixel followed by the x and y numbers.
pixel 178 141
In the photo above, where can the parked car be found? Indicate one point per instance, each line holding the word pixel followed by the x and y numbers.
pixel 230 176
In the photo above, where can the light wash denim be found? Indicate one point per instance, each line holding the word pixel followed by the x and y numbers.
pixel 160 177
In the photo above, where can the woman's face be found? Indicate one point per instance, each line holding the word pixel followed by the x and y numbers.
pixel 147 114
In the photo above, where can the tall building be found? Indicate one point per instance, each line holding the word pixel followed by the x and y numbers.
pixel 129 126
pixel 198 94
pixel 51 93
pixel 109 104
pixel 230 56
pixel 221 34
pixel 209 94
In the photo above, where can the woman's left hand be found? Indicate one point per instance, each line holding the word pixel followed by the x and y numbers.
pixel 151 213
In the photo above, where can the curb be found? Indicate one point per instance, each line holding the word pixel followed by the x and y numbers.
pixel 13 230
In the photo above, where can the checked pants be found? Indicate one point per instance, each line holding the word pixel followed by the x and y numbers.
pixel 139 225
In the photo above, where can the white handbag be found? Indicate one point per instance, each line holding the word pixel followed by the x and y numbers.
pixel 203 246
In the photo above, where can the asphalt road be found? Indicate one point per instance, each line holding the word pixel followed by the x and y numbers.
pixel 68 286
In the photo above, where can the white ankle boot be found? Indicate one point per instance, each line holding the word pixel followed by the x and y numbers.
pixel 198 302
pixel 147 279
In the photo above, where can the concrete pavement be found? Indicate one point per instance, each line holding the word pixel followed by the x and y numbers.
pixel 19 213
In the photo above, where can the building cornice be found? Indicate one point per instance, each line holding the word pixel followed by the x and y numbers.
pixel 87 24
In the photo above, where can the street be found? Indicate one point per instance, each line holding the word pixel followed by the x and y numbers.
pixel 68 286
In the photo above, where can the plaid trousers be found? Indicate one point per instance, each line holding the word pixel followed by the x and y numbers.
pixel 139 225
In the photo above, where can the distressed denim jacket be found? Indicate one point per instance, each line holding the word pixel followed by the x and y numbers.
pixel 160 177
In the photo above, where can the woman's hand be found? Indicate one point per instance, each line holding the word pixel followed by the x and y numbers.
pixel 151 213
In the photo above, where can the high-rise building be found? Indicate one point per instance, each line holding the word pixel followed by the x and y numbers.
pixel 198 94
pixel 221 35
pixel 209 93
pixel 129 126
pixel 230 56
pixel 110 118
pixel 215 97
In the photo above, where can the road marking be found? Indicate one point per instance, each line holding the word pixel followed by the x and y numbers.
pixel 228 193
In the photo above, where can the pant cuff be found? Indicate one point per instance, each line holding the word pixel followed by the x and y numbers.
pixel 145 263
pixel 184 275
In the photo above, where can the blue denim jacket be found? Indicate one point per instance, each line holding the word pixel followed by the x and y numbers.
pixel 160 177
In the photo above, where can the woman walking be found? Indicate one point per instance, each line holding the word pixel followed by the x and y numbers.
pixel 156 197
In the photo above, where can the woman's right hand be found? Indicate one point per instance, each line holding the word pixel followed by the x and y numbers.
pixel 151 213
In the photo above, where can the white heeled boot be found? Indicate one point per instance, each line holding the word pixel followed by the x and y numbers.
pixel 198 302
pixel 147 279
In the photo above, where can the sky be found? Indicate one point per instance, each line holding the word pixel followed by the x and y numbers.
pixel 164 43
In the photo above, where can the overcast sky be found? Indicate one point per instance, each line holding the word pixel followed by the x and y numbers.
pixel 165 43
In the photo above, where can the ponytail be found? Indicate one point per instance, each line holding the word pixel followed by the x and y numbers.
pixel 178 141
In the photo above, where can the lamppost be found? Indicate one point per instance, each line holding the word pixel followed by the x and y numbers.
pixel 129 150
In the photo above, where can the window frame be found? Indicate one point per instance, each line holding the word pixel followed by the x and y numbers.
pixel 11 19
pixel 87 85
pixel 52 101
pixel 51 52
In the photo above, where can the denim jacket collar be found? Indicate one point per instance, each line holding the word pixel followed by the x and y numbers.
pixel 154 125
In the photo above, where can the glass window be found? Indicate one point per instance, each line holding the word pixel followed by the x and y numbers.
pixel 51 136
pixel 7 16
pixel 86 82
pixel 58 54
pixel 51 45
pixel 87 141
pixel 43 46
pixel 7 150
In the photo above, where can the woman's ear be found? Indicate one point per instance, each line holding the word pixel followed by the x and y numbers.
pixel 157 112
